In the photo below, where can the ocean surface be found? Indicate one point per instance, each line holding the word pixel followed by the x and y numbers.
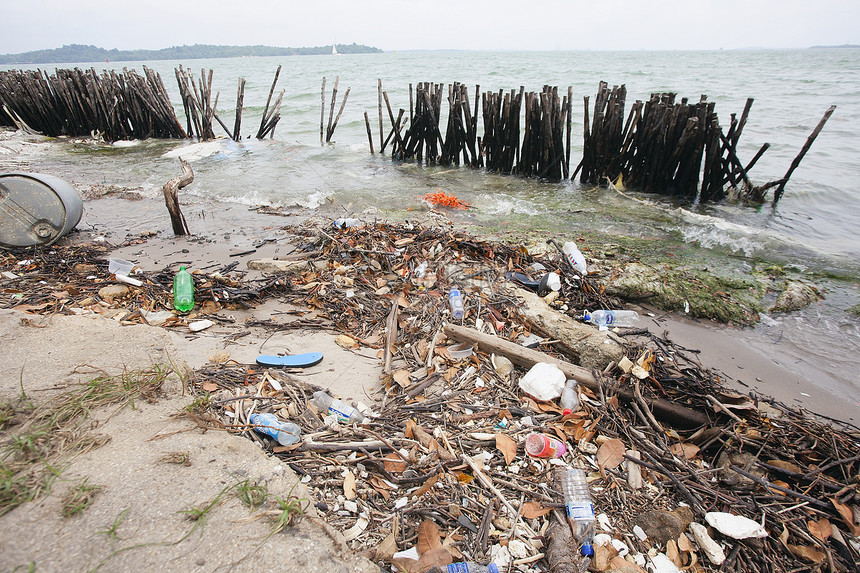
pixel 814 228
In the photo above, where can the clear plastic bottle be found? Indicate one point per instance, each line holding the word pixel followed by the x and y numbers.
pixel 569 398
pixel 344 412
pixel 286 433
pixel 471 567
pixel 347 223
pixel 575 257
pixel 456 301
pixel 579 509
pixel 183 291
pixel 610 318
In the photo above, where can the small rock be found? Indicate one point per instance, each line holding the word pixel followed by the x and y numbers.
pixel 796 295
pixel 111 292
pixel 661 526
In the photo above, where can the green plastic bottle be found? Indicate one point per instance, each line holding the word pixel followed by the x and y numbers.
pixel 183 291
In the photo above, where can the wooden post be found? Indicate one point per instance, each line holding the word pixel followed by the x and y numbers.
pixel 240 99
pixel 322 109
pixel 379 84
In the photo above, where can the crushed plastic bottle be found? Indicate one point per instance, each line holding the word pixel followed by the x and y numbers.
pixel 421 270
pixel 575 257
pixel 569 398
pixel 286 433
pixel 456 301
pixel 183 291
pixel 611 318
pixel 579 509
pixel 471 567
pixel 343 411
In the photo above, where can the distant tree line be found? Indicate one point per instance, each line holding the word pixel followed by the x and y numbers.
pixel 77 53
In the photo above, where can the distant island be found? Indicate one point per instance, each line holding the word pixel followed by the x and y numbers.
pixel 831 47
pixel 76 53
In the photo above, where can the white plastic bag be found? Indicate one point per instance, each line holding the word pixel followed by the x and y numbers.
pixel 543 382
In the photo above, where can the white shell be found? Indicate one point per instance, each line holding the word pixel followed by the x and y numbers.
pixel 735 526
pixel 711 548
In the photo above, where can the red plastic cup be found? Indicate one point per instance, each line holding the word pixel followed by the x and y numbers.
pixel 541 446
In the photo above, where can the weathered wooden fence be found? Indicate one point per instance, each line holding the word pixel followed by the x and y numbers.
pixel 663 146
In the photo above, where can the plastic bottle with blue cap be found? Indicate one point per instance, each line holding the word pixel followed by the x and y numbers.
pixel 579 509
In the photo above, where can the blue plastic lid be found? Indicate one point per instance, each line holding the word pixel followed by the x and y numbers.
pixel 586 316
pixel 493 568
pixel 587 550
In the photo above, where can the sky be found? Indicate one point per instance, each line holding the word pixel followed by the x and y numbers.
pixel 437 25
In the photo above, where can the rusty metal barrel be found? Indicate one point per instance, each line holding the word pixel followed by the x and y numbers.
pixel 36 209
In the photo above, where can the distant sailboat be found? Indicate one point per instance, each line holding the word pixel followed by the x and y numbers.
pixel 334 51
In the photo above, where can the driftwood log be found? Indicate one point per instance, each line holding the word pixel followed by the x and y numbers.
pixel 526 357
pixel 171 198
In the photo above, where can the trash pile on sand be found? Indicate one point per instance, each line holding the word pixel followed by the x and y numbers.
pixel 493 387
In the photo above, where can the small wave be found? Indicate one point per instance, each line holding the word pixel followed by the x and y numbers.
pixel 501 205
pixel 123 143
pixel 710 232
pixel 194 151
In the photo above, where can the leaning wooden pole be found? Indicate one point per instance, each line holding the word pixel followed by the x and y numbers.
pixel 171 198
pixel 781 189
pixel 369 134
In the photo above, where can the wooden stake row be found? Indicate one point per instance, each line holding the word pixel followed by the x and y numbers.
pixel 76 102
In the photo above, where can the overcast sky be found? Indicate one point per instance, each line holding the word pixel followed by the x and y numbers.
pixel 436 24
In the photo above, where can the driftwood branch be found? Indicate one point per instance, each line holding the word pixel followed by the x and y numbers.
pixel 526 357
pixel 171 199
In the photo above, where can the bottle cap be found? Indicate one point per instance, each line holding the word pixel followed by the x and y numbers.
pixel 587 550
pixel 566 411
pixel 586 316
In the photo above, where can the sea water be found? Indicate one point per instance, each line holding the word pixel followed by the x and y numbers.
pixel 814 227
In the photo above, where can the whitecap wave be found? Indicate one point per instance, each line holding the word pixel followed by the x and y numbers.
pixel 195 151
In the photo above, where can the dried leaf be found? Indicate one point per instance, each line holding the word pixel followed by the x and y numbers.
pixel 436 557
pixel 407 431
pixel 684 450
pixel 349 485
pixel 848 516
pixel 401 377
pixel 822 529
pixel 428 537
pixel 533 509
pixel 427 486
pixel 507 446
pixel 393 463
pixel 684 543
pixel 611 453
pixel 673 554
pixel 209 386
pixel 388 547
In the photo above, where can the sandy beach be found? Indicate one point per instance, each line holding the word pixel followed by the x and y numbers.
pixel 42 355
